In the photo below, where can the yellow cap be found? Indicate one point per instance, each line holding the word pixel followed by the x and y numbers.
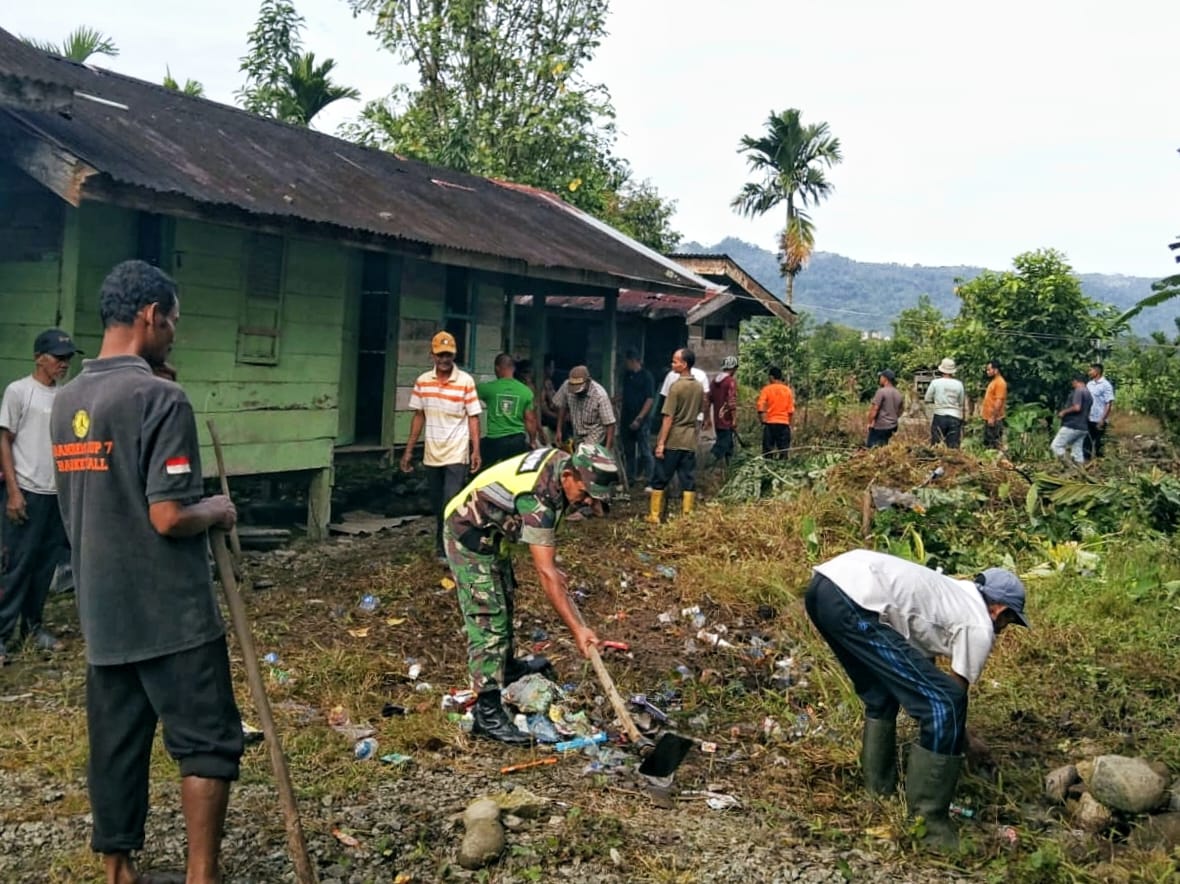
pixel 443 342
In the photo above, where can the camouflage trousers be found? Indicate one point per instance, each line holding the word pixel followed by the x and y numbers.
pixel 486 588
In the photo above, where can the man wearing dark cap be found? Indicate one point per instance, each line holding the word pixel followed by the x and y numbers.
pixel 885 619
pixel 589 408
pixel 885 411
pixel 519 500
pixel 33 534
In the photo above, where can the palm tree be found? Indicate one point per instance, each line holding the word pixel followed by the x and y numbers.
pixel 306 89
pixel 792 158
pixel 79 44
pixel 190 87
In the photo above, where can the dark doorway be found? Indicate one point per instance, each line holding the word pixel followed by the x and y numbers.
pixel 662 337
pixel 374 331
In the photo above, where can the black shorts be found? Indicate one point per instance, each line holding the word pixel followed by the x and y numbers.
pixel 191 693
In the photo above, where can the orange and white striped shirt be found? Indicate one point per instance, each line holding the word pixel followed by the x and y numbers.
pixel 446 406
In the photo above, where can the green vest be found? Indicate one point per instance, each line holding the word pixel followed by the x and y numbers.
pixel 516 476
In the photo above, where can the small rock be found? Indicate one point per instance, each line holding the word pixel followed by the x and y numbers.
pixel 1057 783
pixel 1090 814
pixel 512 822
pixel 483 843
pixel 1174 804
pixel 1159 832
pixel 1127 784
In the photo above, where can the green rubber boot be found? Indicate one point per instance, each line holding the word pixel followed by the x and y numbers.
pixel 930 782
pixel 878 756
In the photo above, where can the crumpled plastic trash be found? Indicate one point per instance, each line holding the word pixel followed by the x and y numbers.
pixel 533 693
pixel 886 498
pixel 542 728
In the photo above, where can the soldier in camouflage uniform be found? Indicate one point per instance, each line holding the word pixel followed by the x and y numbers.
pixel 520 500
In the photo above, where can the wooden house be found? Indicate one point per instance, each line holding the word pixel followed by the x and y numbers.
pixel 313 271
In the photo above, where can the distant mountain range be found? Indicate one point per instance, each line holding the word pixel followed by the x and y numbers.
pixel 868 296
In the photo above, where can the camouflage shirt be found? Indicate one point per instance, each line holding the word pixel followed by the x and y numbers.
pixel 519 500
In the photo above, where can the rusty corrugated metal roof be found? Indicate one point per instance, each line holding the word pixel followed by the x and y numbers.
pixel 149 137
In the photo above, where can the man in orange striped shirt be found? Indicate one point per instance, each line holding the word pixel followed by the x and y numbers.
pixel 776 405
pixel 446 406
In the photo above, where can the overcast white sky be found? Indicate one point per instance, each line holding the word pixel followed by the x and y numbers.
pixel 971 132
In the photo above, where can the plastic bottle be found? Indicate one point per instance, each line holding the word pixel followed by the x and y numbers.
pixel 364 749
pixel 959 810
pixel 580 742
pixel 369 603
pixel 271 659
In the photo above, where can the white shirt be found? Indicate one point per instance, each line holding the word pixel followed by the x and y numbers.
pixel 938 615
pixel 24 412
pixel 1102 394
pixel 697 375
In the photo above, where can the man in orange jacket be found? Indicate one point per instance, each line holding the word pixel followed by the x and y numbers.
pixel 995 406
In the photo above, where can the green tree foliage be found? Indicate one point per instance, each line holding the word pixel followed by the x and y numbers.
pixel 791 159
pixel 919 338
pixel 1034 320
pixel 190 87
pixel 79 45
pixel 282 81
pixel 501 93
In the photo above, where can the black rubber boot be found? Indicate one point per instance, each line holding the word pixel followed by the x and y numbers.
pixel 518 667
pixel 878 756
pixel 930 782
pixel 492 721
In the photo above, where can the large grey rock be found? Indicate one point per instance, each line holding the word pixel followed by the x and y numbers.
pixel 480 810
pixel 1090 814
pixel 1127 784
pixel 483 844
pixel 1159 832
pixel 1057 782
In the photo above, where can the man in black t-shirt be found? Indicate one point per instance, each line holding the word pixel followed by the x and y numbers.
pixel 639 391
pixel 129 486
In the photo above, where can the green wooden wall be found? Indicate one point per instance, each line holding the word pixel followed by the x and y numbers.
pixel 32 233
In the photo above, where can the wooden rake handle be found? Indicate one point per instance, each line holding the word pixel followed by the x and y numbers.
pixel 296 843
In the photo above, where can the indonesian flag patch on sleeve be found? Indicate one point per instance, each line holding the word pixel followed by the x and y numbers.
pixel 177 466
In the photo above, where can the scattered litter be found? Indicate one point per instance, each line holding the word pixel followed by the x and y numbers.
pixel 699 722
pixel 389 710
pixel 665 618
pixel 271 659
pixel 684 672
pixel 540 762
pixel 643 557
pixel 616 646
pixel 447 583
pixel 395 621
pixel 640 701
pixel 279 676
pixel 345 839
pixel 580 742
pixel 456 700
pixel 539 635
pixel 1008 834
pixel 722 802
pixel 404 878
pixel 961 811
pixel 615 856
pixel 414 671
pixel 395 758
pixel 251 734
pixel 339 721
pixel 363 632
pixel 542 728
pixel 690 612
pixel 364 749
pixel 423 687
pixel 369 603
pixel 713 639
pixel 709 748
pixel 533 693
pixel 666 571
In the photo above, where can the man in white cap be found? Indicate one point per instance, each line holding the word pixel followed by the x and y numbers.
pixel 885 619
pixel 949 400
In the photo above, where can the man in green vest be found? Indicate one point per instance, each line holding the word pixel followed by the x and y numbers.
pixel 519 500
pixel 511 419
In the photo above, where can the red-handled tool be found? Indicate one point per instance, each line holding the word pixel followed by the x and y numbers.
pixel 616 646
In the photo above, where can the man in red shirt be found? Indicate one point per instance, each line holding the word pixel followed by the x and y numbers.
pixel 776 405
pixel 723 400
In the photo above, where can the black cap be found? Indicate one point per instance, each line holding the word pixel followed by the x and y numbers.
pixel 55 342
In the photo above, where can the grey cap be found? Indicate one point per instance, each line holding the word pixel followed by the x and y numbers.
pixel 1002 587
pixel 729 363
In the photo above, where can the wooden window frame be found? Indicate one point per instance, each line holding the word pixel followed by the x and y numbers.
pixel 261 295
